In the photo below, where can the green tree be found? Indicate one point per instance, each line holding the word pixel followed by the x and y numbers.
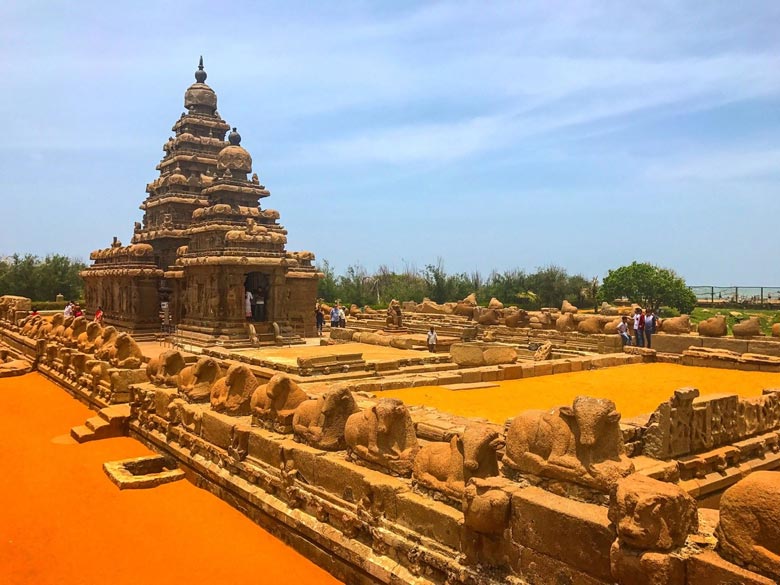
pixel 327 288
pixel 648 285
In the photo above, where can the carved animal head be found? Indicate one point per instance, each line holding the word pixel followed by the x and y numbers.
pixel 388 412
pixel 94 330
pixel 338 401
pixel 478 444
pixel 594 417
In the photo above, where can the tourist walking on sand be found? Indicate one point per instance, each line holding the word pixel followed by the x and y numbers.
pixel 650 325
pixel 99 316
pixel 334 317
pixel 319 318
pixel 623 330
pixel 639 327
pixel 432 339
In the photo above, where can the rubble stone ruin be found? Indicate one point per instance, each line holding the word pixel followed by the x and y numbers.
pixel 207 257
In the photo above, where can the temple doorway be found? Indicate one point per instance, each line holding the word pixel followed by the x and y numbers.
pixel 256 288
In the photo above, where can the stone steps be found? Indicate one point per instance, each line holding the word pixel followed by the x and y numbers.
pixel 110 421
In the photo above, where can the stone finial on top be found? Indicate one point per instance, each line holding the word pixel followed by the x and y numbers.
pixel 200 74
pixel 234 137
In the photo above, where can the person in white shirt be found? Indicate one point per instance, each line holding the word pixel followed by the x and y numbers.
pixel 248 298
pixel 432 339
pixel 623 330
pixel 342 317
pixel 68 312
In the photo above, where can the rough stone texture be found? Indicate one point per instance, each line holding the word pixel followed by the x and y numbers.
pixel 749 328
pixel 543 352
pixel 320 422
pixel 575 533
pixel 447 467
pixel 581 444
pixel 195 381
pixel 466 354
pixel 646 568
pixel 749 532
pixel 650 514
pixel 383 435
pixel 495 304
pixel 565 323
pixel 164 369
pixel 776 330
pixel 489 317
pixel 519 318
pixel 567 307
pixel 591 325
pixel 15 368
pixel 708 568
pixel 232 393
pixel 713 327
pixel 274 403
pixel 676 325
pixel 497 354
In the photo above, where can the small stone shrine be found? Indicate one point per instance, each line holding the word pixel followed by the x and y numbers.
pixel 206 256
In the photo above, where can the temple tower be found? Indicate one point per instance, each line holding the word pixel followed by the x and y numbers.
pixel 187 167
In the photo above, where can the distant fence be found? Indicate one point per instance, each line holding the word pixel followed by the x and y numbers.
pixel 767 297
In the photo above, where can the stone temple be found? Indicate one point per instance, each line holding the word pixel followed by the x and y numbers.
pixel 206 254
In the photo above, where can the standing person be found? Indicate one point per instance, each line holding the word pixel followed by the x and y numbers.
pixel 68 312
pixel 248 299
pixel 639 327
pixel 432 339
pixel 319 319
pixel 259 305
pixel 77 312
pixel 334 317
pixel 99 316
pixel 623 330
pixel 342 317
pixel 650 325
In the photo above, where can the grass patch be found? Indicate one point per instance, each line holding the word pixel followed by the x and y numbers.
pixel 766 317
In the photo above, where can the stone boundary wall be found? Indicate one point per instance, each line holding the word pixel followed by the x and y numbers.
pixel 366 525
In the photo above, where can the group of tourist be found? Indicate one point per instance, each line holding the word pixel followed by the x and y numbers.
pixel 72 309
pixel 338 317
pixel 644 326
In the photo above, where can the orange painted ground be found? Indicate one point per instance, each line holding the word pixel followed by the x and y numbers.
pixel 636 389
pixel 290 355
pixel 63 522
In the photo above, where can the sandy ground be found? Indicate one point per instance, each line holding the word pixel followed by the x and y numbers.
pixel 636 389
pixel 63 522
pixel 290 355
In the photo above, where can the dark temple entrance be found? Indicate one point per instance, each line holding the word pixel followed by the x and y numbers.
pixel 256 289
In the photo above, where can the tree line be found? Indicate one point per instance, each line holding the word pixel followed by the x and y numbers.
pixel 546 287
pixel 640 282
pixel 41 279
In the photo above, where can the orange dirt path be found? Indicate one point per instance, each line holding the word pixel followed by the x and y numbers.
pixel 63 522
pixel 636 389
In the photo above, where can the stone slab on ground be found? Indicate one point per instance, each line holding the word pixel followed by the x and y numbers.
pixel 473 386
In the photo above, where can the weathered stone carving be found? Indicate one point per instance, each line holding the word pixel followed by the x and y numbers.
pixel 749 532
pixel 105 343
pixel 567 307
pixel 543 352
pixel 447 467
pixel 676 325
pixel 384 436
pixel 651 514
pixel 125 353
pixel 582 444
pixel 519 318
pixel 195 381
pixel 713 327
pixel 748 328
pixel 232 393
pixel 164 369
pixel 71 334
pixel 320 422
pixel 274 403
pixel 565 323
pixel 486 514
pixel 59 330
pixel 88 340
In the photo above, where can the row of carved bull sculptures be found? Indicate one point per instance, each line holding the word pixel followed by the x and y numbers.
pixel 581 443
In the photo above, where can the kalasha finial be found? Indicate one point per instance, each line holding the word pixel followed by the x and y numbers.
pixel 234 138
pixel 200 74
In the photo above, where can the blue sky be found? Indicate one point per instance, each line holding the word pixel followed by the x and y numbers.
pixel 493 135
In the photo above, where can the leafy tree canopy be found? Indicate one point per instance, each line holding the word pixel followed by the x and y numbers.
pixel 648 285
pixel 41 279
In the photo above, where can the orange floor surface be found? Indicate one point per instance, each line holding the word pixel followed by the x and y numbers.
pixel 636 389
pixel 63 522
